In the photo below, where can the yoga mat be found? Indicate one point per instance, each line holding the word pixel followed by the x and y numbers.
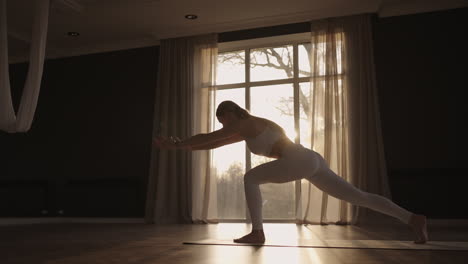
pixel 358 244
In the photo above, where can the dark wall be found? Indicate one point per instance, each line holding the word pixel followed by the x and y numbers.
pixel 421 76
pixel 88 151
pixel 421 71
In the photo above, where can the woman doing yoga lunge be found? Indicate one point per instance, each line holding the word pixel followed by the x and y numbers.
pixel 293 162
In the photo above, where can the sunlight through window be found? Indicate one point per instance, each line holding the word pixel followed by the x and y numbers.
pixel 273 88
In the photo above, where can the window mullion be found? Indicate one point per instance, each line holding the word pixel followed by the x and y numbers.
pixel 248 160
pixel 298 210
pixel 296 92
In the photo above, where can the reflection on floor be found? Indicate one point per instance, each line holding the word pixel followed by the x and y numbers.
pixel 140 243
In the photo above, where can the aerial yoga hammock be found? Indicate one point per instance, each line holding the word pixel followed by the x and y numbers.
pixel 9 121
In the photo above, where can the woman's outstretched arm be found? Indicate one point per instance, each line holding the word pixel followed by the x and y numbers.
pixel 226 135
pixel 219 143
pixel 222 135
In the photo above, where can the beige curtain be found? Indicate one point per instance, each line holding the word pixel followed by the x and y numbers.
pixel 182 107
pixel 343 118
pixel 367 159
pixel 204 199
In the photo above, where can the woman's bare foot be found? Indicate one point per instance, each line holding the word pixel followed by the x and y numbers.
pixel 418 223
pixel 255 237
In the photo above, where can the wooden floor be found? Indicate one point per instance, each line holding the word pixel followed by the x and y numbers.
pixel 140 243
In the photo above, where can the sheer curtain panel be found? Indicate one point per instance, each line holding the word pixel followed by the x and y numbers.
pixel 343 118
pixel 180 186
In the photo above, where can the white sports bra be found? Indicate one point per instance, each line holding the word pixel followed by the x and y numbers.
pixel 263 142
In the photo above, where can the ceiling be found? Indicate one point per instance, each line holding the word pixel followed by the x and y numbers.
pixel 106 25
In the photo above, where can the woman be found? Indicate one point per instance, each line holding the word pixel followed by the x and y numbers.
pixel 293 162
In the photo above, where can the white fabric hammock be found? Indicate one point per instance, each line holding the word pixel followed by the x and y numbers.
pixel 9 122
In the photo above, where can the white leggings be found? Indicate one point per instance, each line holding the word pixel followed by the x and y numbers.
pixel 298 163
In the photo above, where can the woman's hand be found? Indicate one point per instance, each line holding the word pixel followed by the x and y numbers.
pixel 166 143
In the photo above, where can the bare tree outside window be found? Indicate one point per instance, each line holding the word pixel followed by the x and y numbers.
pixel 280 59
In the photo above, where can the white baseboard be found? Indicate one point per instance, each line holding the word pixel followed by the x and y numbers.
pixel 53 220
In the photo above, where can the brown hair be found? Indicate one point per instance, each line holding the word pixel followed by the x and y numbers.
pixel 230 106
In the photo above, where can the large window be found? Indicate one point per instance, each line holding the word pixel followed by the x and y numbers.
pixel 271 79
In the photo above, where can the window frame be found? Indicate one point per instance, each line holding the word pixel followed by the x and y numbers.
pixel 247 45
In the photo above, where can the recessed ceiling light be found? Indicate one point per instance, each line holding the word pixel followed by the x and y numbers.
pixel 73 34
pixel 191 16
